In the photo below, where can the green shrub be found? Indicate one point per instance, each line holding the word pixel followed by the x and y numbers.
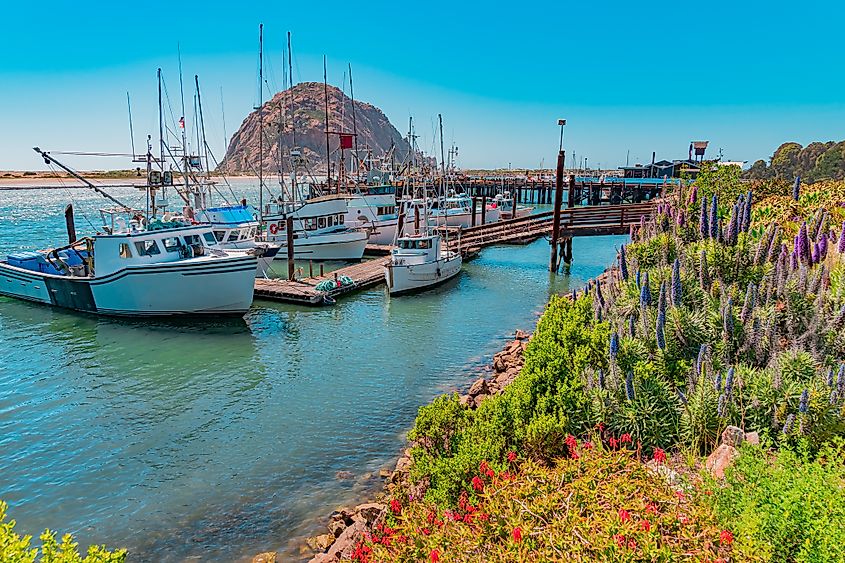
pixel 16 549
pixel 787 507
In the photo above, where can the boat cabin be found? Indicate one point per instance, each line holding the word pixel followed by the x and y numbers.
pixel 426 247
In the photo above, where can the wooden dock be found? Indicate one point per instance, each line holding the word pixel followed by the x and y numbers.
pixel 364 274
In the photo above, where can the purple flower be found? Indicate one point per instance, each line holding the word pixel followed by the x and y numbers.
pixel 731 236
pixel 632 328
pixel 793 261
pixel 645 294
pixel 829 379
pixel 728 320
pixel 703 225
pixel 677 288
pixel 796 188
pixel 720 406
pixel 601 379
pixel 746 217
pixel 693 195
pixel 614 345
pixel 804 403
pixel 714 218
pixel 638 279
pixel 841 246
pixel 717 383
pixel 729 381
pixel 803 243
pixel 659 333
pixel 629 386
pixel 623 263
pixel 661 304
pixel 787 427
pixel 599 295
pixel 822 244
pixel 748 305
pixel 702 357
pixel 770 255
pixel 814 253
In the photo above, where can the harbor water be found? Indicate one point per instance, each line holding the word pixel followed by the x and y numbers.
pixel 215 440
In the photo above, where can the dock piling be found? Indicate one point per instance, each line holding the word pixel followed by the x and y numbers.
pixel 553 261
pixel 289 236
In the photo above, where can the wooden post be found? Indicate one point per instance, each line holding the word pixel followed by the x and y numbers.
pixel 513 213
pixel 567 250
pixel 483 209
pixel 289 234
pixel 570 200
pixel 474 208
pixel 71 228
pixel 417 218
pixel 321 270
pixel 553 261
pixel 400 224
pixel 310 268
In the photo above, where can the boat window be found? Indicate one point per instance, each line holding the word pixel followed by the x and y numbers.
pixel 423 244
pixel 340 219
pixel 210 239
pixel 124 250
pixel 252 233
pixel 310 224
pixel 172 244
pixel 220 235
pixel 192 240
pixel 321 223
pixel 147 248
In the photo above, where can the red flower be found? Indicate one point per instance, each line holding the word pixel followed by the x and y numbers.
pixel 680 495
pixel 659 455
pixel 726 537
pixel 511 457
pixel 434 556
pixel 425 531
pixel 632 544
pixel 651 507
pixel 430 517
pixel 600 426
pixel 571 442
pixel 625 438
pixel 620 540
pixel 624 515
pixel 468 518
pixel 477 483
pixel 517 534
pixel 483 467
pixel 462 501
pixel 506 475
pixel 613 442
pixel 574 455
pixel 483 516
pixel 395 506
pixel 588 445
pixel 645 525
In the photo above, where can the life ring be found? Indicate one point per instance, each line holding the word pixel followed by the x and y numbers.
pixel 274 228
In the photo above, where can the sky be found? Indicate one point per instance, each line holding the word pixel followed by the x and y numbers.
pixel 629 77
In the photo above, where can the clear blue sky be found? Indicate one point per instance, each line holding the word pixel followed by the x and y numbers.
pixel 626 75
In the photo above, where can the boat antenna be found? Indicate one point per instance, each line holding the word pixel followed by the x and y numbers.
pixel 131 130
pixel 326 96
pixel 260 122
pixel 354 128
pixel 50 160
pixel 182 121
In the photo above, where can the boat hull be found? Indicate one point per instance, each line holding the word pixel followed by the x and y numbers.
pixel 410 278
pixel 343 246
pixel 384 232
pixel 219 286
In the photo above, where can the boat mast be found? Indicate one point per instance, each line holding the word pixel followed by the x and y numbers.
pixel 182 125
pixel 442 180
pixel 260 123
pixel 294 187
pixel 160 141
pixel 354 129
pixel 326 96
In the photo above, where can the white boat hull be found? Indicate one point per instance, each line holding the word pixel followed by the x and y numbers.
pixel 384 232
pixel 407 278
pixel 342 246
pixel 199 286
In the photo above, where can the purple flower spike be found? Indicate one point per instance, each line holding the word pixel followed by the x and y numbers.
pixel 796 188
pixel 623 263
pixel 803 243
pixel 714 218
pixel 677 288
pixel 704 225
pixel 841 247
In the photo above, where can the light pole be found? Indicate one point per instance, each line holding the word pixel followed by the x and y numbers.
pixel 561 122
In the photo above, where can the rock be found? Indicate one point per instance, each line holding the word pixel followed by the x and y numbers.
pixel 733 436
pixel 721 458
pixel 336 527
pixel 522 335
pixel 344 544
pixel 343 514
pixel 752 438
pixel 343 475
pixel 513 347
pixel 369 511
pixel 267 557
pixel 321 542
pixel 384 473
pixel 466 401
pixel 479 388
pixel 672 478
pixel 479 399
pixel 506 378
pixel 404 464
pixel 498 364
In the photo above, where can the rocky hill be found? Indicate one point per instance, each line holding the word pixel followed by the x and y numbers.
pixel 375 132
pixel 816 161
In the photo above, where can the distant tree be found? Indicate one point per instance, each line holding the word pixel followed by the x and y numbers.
pixel 758 171
pixel 830 165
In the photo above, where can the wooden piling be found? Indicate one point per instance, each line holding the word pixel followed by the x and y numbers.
pixel 289 235
pixel 483 209
pixel 474 210
pixel 71 228
pixel 553 261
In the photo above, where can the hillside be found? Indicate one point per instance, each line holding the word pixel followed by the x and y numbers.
pixel 374 130
pixel 816 161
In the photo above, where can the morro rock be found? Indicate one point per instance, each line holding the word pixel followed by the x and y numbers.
pixel 375 132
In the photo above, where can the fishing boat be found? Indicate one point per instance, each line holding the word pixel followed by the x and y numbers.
pixel 504 203
pixel 455 210
pixel 374 208
pixel 136 269
pixel 420 262
pixel 235 228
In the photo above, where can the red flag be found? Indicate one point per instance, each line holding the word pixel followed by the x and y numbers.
pixel 345 141
pixel 182 122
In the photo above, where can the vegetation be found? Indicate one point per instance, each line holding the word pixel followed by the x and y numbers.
pixel 721 311
pixel 816 161
pixel 16 549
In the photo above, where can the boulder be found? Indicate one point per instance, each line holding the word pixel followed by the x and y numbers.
pixel 478 399
pixel 522 335
pixel 384 473
pixel 733 436
pixel 721 458
pixel 752 438
pixel 344 544
pixel 343 475
pixel 343 514
pixel 466 401
pixel 321 542
pixel 506 378
pixel 336 527
pixel 369 511
pixel 267 557
pixel 498 364
pixel 479 388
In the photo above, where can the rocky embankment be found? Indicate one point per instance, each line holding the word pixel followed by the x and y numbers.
pixel 347 525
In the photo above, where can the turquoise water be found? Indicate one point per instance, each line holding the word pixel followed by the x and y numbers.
pixel 217 440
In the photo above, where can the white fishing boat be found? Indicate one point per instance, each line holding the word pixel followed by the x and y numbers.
pixel 167 268
pixel 420 262
pixel 504 203
pixel 320 231
pixel 455 210
pixel 374 209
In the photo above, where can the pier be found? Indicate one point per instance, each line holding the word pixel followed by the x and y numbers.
pixel 364 274
pixel 585 190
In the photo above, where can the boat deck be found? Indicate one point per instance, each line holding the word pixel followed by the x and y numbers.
pixel 367 273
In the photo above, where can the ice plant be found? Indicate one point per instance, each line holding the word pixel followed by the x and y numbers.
pixel 434 556
pixel 677 288
pixel 395 507
pixel 511 457
pixel 624 515
pixel 477 484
